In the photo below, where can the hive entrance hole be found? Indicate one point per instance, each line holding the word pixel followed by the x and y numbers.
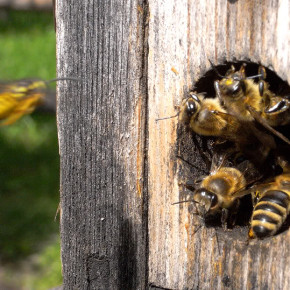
pixel 205 83
pixel 197 149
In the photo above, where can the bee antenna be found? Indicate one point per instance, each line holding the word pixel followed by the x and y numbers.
pixel 189 163
pixel 197 229
pixel 255 76
pixel 63 79
pixel 215 69
pixel 182 201
pixel 165 118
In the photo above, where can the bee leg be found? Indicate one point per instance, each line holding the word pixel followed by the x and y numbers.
pixel 224 218
pixel 201 150
pixel 261 87
pixel 192 165
pixel 198 227
pixel 218 91
pixel 255 197
pixel 242 70
pixel 247 241
pixel 262 73
pixel 218 142
pixel 260 135
pixel 280 106
pixel 233 213
pixel 230 71
pixel 190 185
pixel 238 157
pixel 250 235
pixel 199 179
pixel 205 147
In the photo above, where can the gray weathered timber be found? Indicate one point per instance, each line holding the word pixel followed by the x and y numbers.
pixel 102 138
pixel 183 35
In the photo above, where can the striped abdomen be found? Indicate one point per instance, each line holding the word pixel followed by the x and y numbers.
pixel 269 213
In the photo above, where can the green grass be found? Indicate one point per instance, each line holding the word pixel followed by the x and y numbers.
pixel 29 163
pixel 27 45
pixel 29 185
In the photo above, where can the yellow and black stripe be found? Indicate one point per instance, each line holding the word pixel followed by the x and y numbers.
pixel 270 213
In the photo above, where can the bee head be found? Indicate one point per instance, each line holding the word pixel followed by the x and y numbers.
pixel 192 104
pixel 232 86
pixel 206 200
pixel 189 107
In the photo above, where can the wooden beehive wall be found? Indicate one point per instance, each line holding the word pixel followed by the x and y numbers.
pixel 183 35
pixel 119 167
pixel 101 123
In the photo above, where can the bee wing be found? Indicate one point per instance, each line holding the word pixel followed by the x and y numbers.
pixel 261 187
pixel 253 189
pixel 260 120
pixel 218 161
pixel 234 124
pixel 241 192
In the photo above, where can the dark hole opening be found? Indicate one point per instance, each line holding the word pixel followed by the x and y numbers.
pixel 197 150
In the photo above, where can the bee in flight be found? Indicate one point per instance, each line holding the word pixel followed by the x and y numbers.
pixel 221 190
pixel 20 98
pixel 253 102
pixel 272 206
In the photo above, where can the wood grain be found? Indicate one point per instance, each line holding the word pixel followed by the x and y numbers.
pixel 182 37
pixel 102 137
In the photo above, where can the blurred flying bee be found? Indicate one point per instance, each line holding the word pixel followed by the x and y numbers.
pixel 253 102
pixel 20 98
pixel 273 203
pixel 220 191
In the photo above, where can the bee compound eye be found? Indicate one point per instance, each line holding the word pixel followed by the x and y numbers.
pixel 236 86
pixel 194 97
pixel 191 107
pixel 208 198
pixel 282 105
pixel 214 200
pixel 233 88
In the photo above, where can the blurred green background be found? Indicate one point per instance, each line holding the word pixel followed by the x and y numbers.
pixel 29 162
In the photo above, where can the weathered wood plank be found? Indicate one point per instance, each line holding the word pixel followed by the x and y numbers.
pixel 101 122
pixel 182 37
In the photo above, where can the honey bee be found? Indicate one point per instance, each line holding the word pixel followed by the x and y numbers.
pixel 238 92
pixel 253 102
pixel 220 192
pixel 20 98
pixel 272 208
pixel 207 117
pixel 273 204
